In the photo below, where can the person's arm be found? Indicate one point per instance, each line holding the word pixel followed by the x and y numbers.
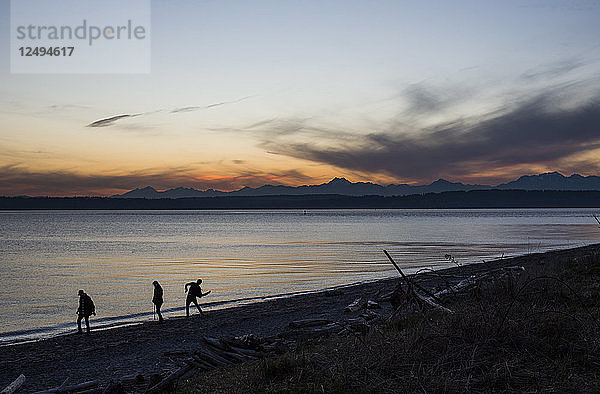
pixel 188 284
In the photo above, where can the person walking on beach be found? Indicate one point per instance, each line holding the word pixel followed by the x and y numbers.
pixel 157 299
pixel 85 310
pixel 192 293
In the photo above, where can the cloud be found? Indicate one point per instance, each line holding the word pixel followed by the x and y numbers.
pixel 553 70
pixel 18 180
pixel 110 121
pixel 538 131
pixel 424 99
pixel 59 107
pixel 196 108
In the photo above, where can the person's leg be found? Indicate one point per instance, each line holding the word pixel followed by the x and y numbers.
pixel 79 317
pixel 160 318
pixel 87 323
pixel 197 306
pixel 188 301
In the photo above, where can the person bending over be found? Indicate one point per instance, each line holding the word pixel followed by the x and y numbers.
pixel 193 292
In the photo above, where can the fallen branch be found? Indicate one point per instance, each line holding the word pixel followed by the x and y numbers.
pixel 15 385
pixel 70 389
pixel 309 323
pixel 354 306
pixel 411 294
pixel 173 377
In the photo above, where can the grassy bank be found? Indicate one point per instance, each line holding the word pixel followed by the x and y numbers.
pixel 538 331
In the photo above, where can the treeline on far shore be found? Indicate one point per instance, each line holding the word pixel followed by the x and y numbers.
pixel 445 200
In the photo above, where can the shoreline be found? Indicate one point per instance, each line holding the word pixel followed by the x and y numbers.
pixel 115 322
pixel 143 348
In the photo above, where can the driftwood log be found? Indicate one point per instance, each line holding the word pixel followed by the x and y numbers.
pixel 475 281
pixel 14 386
pixel 309 323
pixel 355 306
pixel 411 296
pixel 172 378
pixel 75 388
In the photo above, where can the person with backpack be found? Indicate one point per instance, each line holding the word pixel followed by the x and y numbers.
pixel 85 310
pixel 157 299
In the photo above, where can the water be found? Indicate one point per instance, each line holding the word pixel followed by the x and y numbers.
pixel 46 256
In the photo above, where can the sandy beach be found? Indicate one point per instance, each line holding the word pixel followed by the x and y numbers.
pixel 144 348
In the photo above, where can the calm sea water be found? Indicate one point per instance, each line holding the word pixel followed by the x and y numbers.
pixel 46 256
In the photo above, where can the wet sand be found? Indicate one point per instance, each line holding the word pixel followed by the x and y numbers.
pixel 140 349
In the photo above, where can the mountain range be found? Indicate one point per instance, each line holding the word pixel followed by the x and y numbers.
pixel 341 186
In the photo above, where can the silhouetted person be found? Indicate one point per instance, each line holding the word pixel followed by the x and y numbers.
pixel 192 293
pixel 157 299
pixel 85 310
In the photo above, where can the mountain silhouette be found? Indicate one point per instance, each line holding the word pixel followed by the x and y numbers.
pixel 341 186
pixel 553 181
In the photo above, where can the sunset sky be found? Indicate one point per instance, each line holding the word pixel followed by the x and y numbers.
pixel 246 93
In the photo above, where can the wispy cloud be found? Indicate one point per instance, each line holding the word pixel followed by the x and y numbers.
pixel 196 108
pixel 553 70
pixel 111 120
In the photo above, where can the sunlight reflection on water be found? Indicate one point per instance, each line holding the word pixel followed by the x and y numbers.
pixel 115 255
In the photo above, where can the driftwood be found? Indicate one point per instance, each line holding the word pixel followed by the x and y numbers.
pixel 172 378
pixel 15 385
pixel 175 353
pixel 356 305
pixel 373 305
pixel 95 390
pixel 309 323
pixel 475 281
pixel 245 352
pixel 212 357
pixel 63 388
pixel 215 343
pixel 113 388
pixel 401 297
pixel 193 363
pixel 204 365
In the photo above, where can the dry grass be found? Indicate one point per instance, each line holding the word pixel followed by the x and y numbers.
pixel 537 332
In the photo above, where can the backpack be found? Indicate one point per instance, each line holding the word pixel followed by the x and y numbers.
pixel 88 305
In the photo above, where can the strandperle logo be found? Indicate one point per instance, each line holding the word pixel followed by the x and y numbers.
pixel 89 33
pixel 80 36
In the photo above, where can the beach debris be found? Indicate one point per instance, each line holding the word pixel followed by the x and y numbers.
pixel 217 353
pixel 76 388
pixel 175 353
pixel 369 315
pixel 411 298
pixel 333 292
pixel 475 282
pixel 14 386
pixel 113 388
pixel 373 305
pixel 309 323
pixel 355 306
pixel 172 378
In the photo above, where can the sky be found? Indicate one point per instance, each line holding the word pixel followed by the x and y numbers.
pixel 246 93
